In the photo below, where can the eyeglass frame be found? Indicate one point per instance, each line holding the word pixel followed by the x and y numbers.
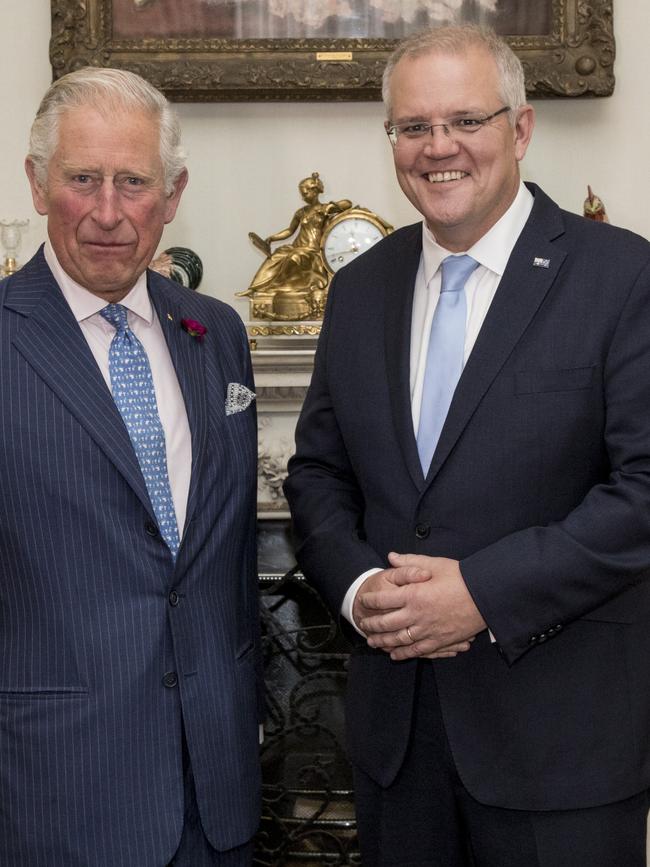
pixel 394 135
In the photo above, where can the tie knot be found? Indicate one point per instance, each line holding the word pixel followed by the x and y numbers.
pixel 455 271
pixel 116 315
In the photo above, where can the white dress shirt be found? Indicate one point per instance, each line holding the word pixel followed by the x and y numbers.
pixel 492 252
pixel 144 323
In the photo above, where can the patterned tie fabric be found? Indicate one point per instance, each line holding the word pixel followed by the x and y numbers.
pixel 134 396
pixel 445 354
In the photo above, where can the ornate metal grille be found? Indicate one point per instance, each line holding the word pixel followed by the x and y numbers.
pixel 308 811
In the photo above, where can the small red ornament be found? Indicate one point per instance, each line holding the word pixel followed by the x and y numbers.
pixel 194 328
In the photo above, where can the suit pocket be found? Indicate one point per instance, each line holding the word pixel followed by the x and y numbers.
pixel 240 410
pixel 43 692
pixel 567 379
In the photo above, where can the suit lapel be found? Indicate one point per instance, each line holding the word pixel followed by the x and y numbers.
pixel 52 343
pixel 398 289
pixel 187 354
pixel 522 289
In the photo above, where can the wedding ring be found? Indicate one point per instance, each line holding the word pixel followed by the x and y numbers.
pixel 408 632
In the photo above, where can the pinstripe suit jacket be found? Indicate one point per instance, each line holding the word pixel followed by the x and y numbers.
pixel 99 662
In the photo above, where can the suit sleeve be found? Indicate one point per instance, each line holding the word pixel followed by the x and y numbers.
pixel 326 501
pixel 596 561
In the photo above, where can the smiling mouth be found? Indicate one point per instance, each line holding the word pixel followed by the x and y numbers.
pixel 443 177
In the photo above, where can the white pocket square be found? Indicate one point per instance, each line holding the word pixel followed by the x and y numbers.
pixel 238 397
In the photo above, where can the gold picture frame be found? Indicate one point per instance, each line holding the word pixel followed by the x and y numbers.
pixel 188 49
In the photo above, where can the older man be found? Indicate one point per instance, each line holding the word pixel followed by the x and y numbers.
pixel 129 685
pixel 471 490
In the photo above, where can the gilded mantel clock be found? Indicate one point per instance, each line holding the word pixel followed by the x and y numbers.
pixel 290 286
pixel 349 234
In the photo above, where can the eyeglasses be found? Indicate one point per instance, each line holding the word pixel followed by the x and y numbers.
pixel 456 128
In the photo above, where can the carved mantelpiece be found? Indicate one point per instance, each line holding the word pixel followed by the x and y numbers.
pixel 282 364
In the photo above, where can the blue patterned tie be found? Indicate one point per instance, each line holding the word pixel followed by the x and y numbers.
pixel 444 355
pixel 134 396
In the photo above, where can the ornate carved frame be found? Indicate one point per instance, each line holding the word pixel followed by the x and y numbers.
pixel 576 59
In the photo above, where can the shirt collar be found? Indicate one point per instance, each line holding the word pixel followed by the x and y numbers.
pixel 494 248
pixel 84 304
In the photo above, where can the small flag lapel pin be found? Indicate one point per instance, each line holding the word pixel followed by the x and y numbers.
pixel 538 262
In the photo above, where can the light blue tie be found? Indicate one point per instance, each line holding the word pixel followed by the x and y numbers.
pixel 445 354
pixel 134 396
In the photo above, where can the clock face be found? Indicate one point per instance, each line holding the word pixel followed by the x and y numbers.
pixel 347 238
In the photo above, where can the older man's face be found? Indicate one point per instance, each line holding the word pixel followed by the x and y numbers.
pixel 105 198
pixel 461 187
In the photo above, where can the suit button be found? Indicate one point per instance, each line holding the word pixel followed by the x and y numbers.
pixel 421 531
pixel 533 639
pixel 151 528
pixel 174 599
pixel 542 636
pixel 170 680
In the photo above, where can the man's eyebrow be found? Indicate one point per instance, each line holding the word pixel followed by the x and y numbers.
pixel 79 169
pixel 464 111
pixel 411 118
pixel 422 118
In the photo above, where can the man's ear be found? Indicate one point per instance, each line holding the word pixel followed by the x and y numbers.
pixel 523 130
pixel 39 196
pixel 175 196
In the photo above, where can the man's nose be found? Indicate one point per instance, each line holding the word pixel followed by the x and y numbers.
pixel 440 142
pixel 107 205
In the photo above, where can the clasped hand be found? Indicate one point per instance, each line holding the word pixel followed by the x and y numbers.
pixel 419 607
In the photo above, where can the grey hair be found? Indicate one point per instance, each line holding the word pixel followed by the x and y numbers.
pixel 455 39
pixel 106 90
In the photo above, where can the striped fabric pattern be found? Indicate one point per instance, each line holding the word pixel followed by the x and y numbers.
pixel 106 642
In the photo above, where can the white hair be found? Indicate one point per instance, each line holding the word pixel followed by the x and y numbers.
pixel 106 90
pixel 455 39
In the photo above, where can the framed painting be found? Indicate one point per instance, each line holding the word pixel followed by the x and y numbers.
pixel 218 50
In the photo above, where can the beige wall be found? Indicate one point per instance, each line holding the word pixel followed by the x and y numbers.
pixel 246 159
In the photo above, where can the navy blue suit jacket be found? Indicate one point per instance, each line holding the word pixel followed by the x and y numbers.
pixel 99 663
pixel 540 486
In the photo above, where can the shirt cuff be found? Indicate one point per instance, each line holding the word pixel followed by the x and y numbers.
pixel 350 596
